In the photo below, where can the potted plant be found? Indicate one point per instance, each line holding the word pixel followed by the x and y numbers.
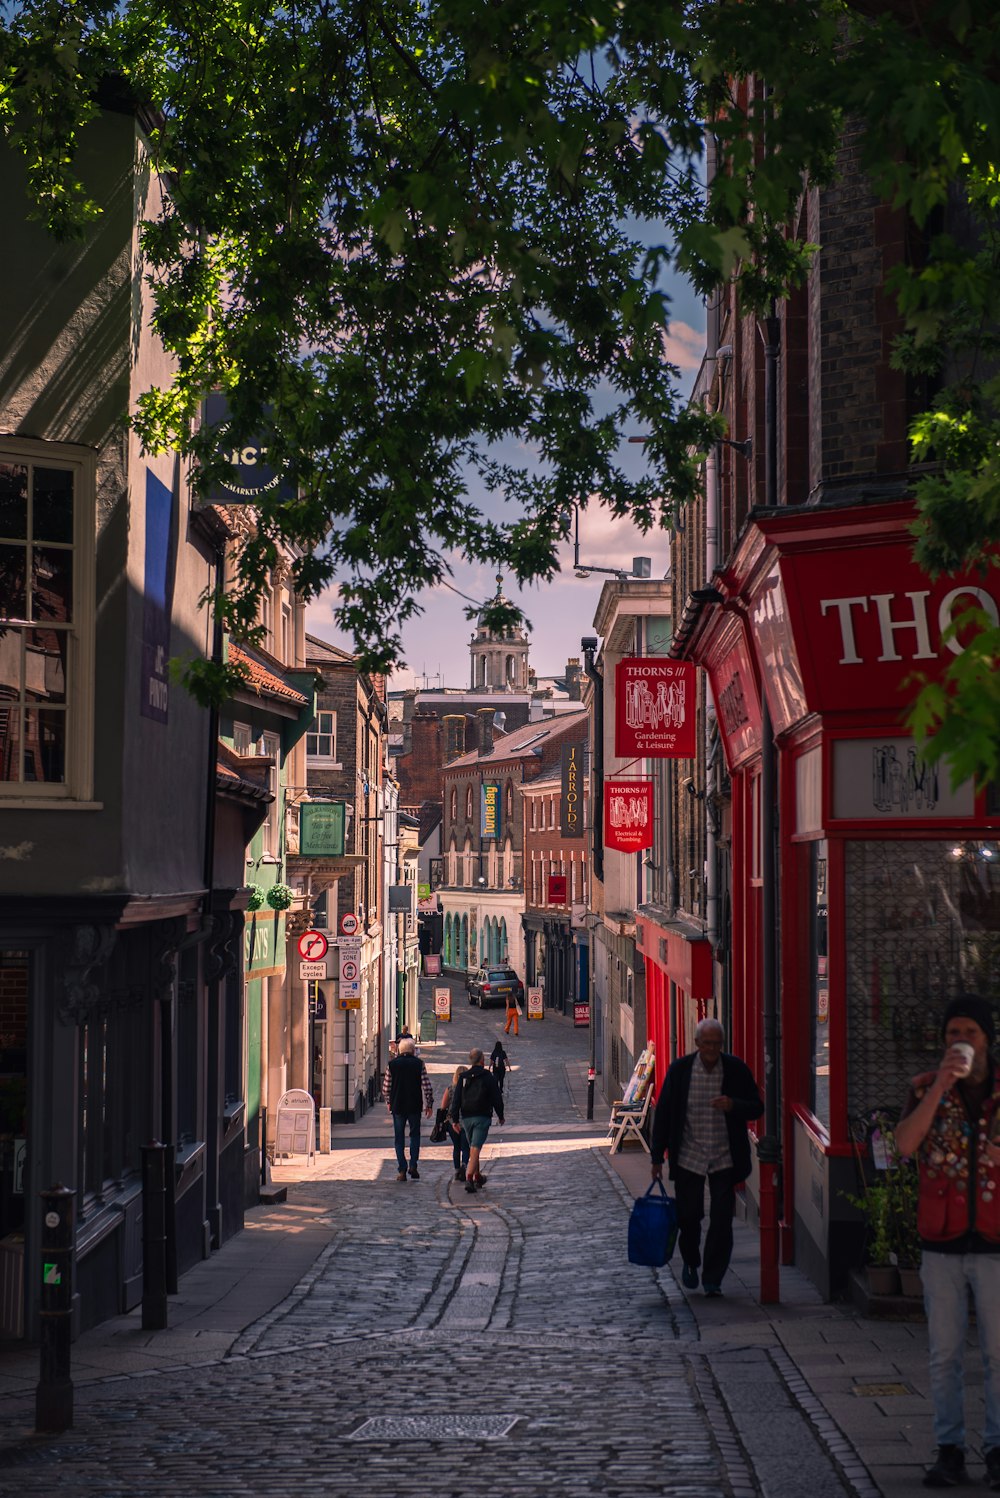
pixel 875 1207
pixel 902 1184
pixel 280 896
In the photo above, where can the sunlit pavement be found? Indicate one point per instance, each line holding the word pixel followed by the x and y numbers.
pixel 413 1339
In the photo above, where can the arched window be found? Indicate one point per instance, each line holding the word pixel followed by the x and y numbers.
pixel 504 954
pixel 493 863
pixel 467 864
pixel 510 668
pixel 454 803
pixel 453 863
pixel 463 955
pixel 509 802
pixel 534 811
pixel 508 863
pixel 468 803
pixel 449 956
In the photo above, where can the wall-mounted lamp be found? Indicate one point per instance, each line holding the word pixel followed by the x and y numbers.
pixel 711 810
pixel 744 447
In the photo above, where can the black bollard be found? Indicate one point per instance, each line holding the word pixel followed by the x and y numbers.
pixel 154 1237
pixel 54 1394
pixel 590 1093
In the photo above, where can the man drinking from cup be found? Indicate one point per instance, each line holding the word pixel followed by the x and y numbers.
pixel 950 1122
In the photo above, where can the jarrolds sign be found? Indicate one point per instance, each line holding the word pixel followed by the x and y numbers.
pixel 849 627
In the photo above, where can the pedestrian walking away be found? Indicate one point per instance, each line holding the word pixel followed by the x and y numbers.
pixel 406 1089
pixel 513 1013
pixel 951 1123
pixel 499 1063
pixel 475 1099
pixel 458 1136
pixel 707 1099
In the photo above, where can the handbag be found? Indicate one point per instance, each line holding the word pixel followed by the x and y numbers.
pixel 439 1133
pixel 652 1228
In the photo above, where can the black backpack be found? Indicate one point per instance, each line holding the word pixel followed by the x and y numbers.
pixel 477 1098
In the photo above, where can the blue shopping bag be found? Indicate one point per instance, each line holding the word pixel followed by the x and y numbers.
pixel 652 1228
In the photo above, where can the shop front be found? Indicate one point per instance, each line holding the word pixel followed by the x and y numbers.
pixel 888 879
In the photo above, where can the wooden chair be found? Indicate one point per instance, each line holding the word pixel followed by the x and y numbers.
pixel 629 1114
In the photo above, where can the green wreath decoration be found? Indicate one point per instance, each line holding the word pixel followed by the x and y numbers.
pixel 279 896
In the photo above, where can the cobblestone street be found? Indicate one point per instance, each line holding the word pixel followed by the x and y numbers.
pixel 432 1342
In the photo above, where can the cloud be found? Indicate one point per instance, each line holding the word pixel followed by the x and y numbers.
pixel 684 345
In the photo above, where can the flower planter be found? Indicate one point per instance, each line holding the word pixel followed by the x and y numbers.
pixel 910 1284
pixel 883 1279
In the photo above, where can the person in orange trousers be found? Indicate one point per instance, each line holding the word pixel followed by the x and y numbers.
pixel 512 1015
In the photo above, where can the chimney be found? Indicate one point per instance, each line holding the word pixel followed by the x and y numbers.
pixel 573 678
pixel 485 716
pixel 454 726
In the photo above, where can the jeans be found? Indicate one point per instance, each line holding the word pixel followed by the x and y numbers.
pixel 689 1196
pixel 947 1280
pixel 400 1123
pixel 460 1149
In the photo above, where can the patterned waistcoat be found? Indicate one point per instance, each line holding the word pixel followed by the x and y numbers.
pixel 959 1190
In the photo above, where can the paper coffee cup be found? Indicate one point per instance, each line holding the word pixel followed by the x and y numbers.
pixel 967 1052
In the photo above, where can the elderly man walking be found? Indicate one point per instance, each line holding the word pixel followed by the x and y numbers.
pixel 406 1088
pixel 706 1101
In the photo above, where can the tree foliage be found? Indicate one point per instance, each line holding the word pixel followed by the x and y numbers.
pixel 422 247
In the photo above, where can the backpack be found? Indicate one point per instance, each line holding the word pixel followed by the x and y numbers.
pixel 477 1099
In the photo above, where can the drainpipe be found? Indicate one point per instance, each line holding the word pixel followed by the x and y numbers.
pixel 769 1145
pixel 711 563
pixel 588 646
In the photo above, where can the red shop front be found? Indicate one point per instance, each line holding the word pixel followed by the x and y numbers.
pixel 888 880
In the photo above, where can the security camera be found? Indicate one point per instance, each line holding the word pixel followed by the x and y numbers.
pixel 687 783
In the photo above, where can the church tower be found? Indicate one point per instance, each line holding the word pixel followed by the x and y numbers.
pixel 499 657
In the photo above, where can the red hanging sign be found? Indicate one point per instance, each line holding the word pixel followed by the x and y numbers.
pixel 557 889
pixel 654 708
pixel 628 815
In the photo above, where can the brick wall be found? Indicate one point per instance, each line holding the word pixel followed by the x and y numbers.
pixel 14 1007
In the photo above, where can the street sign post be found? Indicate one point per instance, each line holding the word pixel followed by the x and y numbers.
pixel 313 946
pixel 349 923
pixel 312 972
pixel 442 1003
pixel 535 1006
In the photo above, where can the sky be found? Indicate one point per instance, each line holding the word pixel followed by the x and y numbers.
pixel 436 642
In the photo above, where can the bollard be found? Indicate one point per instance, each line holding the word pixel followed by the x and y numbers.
pixel 590 1093
pixel 54 1394
pixel 154 1236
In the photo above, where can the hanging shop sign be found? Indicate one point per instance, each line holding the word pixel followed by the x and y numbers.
pixel 581 1016
pixel 490 819
pixel 253 476
pixel 628 815
pixel 321 829
pixel 654 708
pixel 557 889
pixel 571 791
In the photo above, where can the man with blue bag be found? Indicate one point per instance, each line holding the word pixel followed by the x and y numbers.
pixel 706 1101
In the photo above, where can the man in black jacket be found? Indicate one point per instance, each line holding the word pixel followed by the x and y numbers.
pixel 406 1088
pixel 473 1103
pixel 701 1118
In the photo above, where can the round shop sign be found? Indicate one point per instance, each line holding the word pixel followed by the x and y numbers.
pixel 52 1219
pixel 349 970
pixel 349 923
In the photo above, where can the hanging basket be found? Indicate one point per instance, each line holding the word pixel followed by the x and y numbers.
pixel 279 896
pixel 256 899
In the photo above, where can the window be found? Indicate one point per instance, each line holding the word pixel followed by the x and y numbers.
pixel 454 804
pixel 534 812
pixel 46 624
pixel 272 748
pixel 468 803
pixel 287 638
pixel 241 738
pixel 509 802
pixel 321 743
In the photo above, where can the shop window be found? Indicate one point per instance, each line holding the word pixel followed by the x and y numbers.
pixel 922 924
pixel 819 984
pixel 46 624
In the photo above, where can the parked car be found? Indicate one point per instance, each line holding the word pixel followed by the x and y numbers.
pixel 492 985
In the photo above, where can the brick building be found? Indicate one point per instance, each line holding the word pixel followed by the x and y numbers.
pixel 856 889
pixel 480 876
pixel 556 885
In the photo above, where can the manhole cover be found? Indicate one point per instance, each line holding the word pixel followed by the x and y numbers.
pixel 434 1428
pixel 880 1391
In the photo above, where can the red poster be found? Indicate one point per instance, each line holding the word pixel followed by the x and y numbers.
pixel 654 708
pixel 557 889
pixel 628 815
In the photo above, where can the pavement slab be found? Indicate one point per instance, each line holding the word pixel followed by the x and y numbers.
pixel 406 1339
